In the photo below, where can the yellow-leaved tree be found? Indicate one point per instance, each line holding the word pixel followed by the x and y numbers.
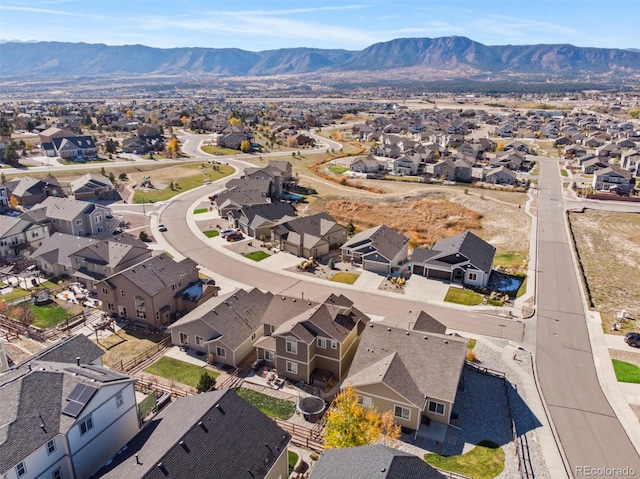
pixel 173 148
pixel 350 424
pixel 245 146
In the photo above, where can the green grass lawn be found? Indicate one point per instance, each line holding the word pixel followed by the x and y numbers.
pixel 508 259
pixel 257 255
pixel 485 461
pixel 198 211
pixel 49 315
pixel 564 172
pixel 535 171
pixel 346 278
pixel 180 371
pixel 211 233
pixel 293 459
pixel 19 292
pixel 337 169
pixel 272 407
pixel 184 184
pixel 463 296
pixel 217 150
pixel 522 289
pixel 626 372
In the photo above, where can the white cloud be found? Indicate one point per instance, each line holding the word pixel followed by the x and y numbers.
pixel 47 11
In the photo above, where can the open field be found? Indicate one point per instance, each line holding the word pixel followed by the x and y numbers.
pixel 608 244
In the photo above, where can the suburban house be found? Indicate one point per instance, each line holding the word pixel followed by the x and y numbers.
pixel 53 257
pixel 366 165
pixel 615 179
pixel 415 320
pixel 18 235
pixel 70 147
pixel 464 258
pixel 227 327
pixel 64 414
pixel 631 162
pixel 590 166
pixel 269 172
pixel 499 176
pixel 233 140
pixel 139 145
pixel 73 217
pixel 215 434
pixel 414 374
pixel 243 192
pixel 451 169
pixel 309 236
pixel 377 460
pixel 317 346
pixel 258 220
pixel 92 187
pixel 104 258
pixel 154 292
pixel 379 249
pixel 29 191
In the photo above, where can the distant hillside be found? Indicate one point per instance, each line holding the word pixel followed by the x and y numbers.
pixel 460 56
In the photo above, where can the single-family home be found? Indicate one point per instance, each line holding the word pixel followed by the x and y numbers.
pixel 64 414
pixel 451 169
pixel 464 258
pixel 615 179
pixel 154 291
pixel 376 460
pixel 74 217
pixel 243 192
pixel 72 147
pixel 365 165
pixel 29 191
pixel 92 187
pixel 379 249
pixel 309 236
pixel 215 434
pixel 413 374
pixel 595 163
pixel 18 235
pixel 258 220
pixel 499 176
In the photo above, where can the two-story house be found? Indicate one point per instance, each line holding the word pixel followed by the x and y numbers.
pixel 379 249
pixel 92 186
pixel 154 291
pixel 73 217
pixel 28 191
pixel 64 415
pixel 309 236
pixel 18 235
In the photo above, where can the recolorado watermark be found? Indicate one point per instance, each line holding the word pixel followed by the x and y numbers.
pixel 590 471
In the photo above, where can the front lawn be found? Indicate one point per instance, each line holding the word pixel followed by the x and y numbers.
pixel 211 233
pixel 199 211
pixel 463 296
pixel 346 278
pixel 257 255
pixel 337 169
pixel 179 371
pixel 626 372
pixel 272 407
pixel 49 315
pixel 218 150
pixel 485 461
pixel 509 259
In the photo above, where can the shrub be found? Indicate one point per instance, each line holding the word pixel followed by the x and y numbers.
pixel 471 356
pixel 331 264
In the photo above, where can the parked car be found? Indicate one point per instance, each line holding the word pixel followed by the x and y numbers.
pixel 162 227
pixel 235 237
pixel 228 233
pixel 632 339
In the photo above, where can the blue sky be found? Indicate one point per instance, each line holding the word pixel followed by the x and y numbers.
pixel 257 25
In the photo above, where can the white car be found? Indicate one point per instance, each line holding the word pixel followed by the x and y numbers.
pixel 162 227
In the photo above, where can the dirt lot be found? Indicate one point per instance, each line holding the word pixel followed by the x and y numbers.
pixel 609 247
pixel 123 346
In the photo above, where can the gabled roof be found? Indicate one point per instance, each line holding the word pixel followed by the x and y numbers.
pixel 69 349
pixel 57 248
pixel 415 364
pixel 112 252
pixel 380 239
pixel 307 230
pixel 66 209
pixel 91 181
pixel 158 273
pixel 459 249
pixel 29 185
pixel 416 320
pixel 372 462
pixel 257 215
pixel 214 433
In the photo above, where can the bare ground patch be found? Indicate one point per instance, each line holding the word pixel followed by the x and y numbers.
pixel 608 244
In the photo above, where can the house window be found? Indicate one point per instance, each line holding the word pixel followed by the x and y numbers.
pixel 473 276
pixel 51 447
pixel 322 343
pixel 199 340
pixel 292 346
pixel 269 356
pixel 119 400
pixel 123 311
pixel 402 412
pixel 364 401
pixel 253 336
pixel 221 352
pixel 141 311
pixel 57 474
pixel 110 307
pixel 436 407
pixel 21 469
pixel 78 222
pixel 34 234
pixel 334 344
pixel 184 338
pixel 105 291
pixel 99 229
pixel 122 293
pixel 174 287
pixel 98 218
pixel 292 367
pixel 86 425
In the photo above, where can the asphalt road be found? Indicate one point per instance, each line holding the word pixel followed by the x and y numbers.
pixel 589 431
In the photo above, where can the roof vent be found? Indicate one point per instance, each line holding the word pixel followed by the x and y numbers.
pixel 388 329
pixel 78 360
pixel 294 300
pixel 407 333
pixel 446 342
pixel 138 460
pixel 425 337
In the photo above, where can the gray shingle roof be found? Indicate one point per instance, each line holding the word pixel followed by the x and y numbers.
pixel 381 238
pixel 372 462
pixel 68 349
pixel 65 208
pixel 57 248
pixel 221 435
pixel 416 320
pixel 467 245
pixel 431 362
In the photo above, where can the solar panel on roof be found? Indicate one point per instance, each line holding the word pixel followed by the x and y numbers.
pixel 75 393
pixel 73 408
pixel 86 395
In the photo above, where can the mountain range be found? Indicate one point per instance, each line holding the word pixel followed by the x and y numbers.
pixel 452 56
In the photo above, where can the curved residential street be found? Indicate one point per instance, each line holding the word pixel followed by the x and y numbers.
pixel 589 431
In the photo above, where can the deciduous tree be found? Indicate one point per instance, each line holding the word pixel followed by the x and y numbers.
pixel 245 146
